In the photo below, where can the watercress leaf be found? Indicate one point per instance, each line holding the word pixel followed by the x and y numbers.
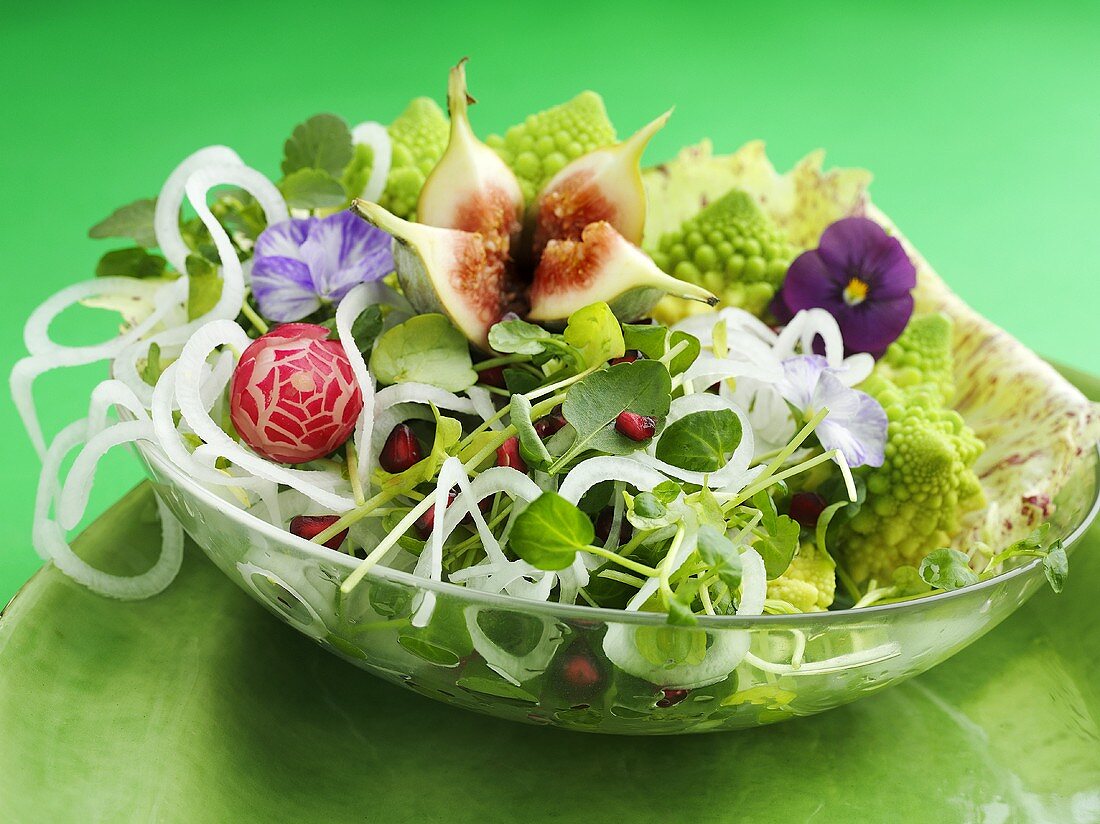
pixel 821 532
pixel 647 338
pixel 130 263
pixel 719 553
pixel 550 531
pixel 356 174
pixel 593 404
pixel 151 371
pixel 424 349
pixel 518 337
pixel 687 356
pixel 595 332
pixel 596 498
pixel 133 221
pixel 531 447
pixel 947 569
pixel 708 510
pixel 778 547
pixel 650 513
pixel 322 142
pixel 763 501
pixel 702 441
pixel 648 505
pixel 666 491
pixel 366 328
pixel 1056 567
pixel 204 286
pixel 680 614
pixel 312 189
pixel 520 381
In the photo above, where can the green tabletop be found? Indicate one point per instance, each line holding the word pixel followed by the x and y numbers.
pixel 979 121
pixel 198 706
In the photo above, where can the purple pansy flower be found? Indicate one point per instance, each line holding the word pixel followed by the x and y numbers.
pixel 861 276
pixel 302 263
pixel 856 423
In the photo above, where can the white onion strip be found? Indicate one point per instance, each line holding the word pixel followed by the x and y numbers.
pixel 350 308
pixel 377 137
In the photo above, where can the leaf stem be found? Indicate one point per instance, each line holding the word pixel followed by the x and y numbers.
pixel 353 473
pixel 634 566
pixel 253 318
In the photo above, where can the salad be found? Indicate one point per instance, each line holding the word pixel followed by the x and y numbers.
pixel 530 366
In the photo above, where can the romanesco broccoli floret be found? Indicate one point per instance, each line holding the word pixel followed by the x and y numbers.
pixel 731 248
pixel 921 358
pixel 541 145
pixel 916 499
pixel 419 137
pixel 809 583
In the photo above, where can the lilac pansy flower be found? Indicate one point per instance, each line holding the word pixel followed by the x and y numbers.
pixel 303 263
pixel 856 423
pixel 861 276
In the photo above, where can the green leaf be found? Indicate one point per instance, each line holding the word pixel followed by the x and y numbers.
pixel 134 221
pixel 702 441
pixel 312 189
pixel 130 263
pixel 550 531
pixel 1056 567
pixel 595 331
pixel 947 569
pixel 520 381
pixel 356 174
pixel 687 357
pixel 708 510
pixel 151 371
pixel 204 286
pixel 647 338
pixel 719 553
pixel 424 349
pixel 680 614
pixel 646 511
pixel 531 447
pixel 763 502
pixel 780 543
pixel 366 328
pixel 322 142
pixel 518 337
pixel 593 404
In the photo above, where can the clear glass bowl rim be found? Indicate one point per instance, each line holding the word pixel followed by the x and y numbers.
pixel 154 455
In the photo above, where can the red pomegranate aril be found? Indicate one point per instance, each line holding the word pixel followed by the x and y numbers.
pixel 636 427
pixel 493 376
pixel 508 455
pixel 580 672
pixel 806 508
pixel 310 526
pixel 605 520
pixel 547 426
pixel 671 697
pixel 401 450
pixel 629 356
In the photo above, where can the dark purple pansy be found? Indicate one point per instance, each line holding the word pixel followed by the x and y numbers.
pixel 302 263
pixel 861 276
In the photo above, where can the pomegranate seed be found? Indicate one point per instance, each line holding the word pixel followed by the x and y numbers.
pixel 806 508
pixel 401 451
pixel 545 427
pixel 310 526
pixel 580 671
pixel 629 356
pixel 671 697
pixel 508 455
pixel 493 376
pixel 636 427
pixel 603 526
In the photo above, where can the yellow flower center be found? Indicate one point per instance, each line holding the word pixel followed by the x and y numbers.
pixel 855 292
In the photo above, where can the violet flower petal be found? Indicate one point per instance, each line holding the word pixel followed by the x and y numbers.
pixel 343 251
pixel 856 424
pixel 858 247
pixel 284 239
pixel 801 375
pixel 283 289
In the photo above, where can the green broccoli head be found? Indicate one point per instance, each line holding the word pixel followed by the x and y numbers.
pixel 809 583
pixel 419 137
pixel 731 248
pixel 540 146
pixel 916 500
pixel 921 358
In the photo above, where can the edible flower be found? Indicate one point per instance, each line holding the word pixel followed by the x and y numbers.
pixel 302 264
pixel 861 276
pixel 856 423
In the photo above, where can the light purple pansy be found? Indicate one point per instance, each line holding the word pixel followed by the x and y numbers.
pixel 856 423
pixel 302 263
pixel 861 276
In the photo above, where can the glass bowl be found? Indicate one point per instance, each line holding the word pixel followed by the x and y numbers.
pixel 599 670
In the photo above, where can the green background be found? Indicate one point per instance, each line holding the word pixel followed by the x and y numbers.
pixel 981 123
